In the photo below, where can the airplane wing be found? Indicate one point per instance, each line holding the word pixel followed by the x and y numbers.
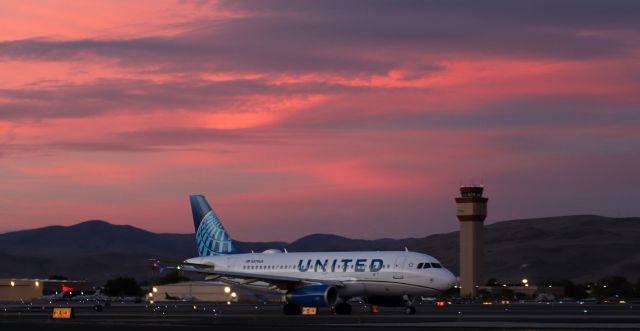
pixel 243 278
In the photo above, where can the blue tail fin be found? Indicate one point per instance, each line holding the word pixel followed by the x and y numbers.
pixel 211 237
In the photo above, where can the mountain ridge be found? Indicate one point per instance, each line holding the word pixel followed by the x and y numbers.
pixel 564 247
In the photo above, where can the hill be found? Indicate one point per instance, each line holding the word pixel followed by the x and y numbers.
pixel 579 248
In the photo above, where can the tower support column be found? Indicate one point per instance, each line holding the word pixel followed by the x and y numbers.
pixel 471 212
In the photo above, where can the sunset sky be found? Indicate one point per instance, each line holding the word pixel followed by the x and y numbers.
pixel 359 118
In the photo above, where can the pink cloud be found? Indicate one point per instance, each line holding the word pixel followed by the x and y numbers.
pixel 301 118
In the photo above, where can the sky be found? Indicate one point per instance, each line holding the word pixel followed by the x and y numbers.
pixel 358 118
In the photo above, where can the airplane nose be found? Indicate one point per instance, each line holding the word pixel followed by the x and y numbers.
pixel 449 279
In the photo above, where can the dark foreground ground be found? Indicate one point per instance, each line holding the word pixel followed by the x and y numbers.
pixel 204 316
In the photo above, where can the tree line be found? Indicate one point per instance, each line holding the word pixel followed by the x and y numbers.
pixel 605 288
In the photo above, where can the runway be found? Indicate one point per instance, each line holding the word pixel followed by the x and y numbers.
pixel 201 316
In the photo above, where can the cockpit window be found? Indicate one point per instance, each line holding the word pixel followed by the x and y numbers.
pixel 436 265
pixel 426 266
pixel 420 265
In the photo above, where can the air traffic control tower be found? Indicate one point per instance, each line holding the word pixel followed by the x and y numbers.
pixel 472 210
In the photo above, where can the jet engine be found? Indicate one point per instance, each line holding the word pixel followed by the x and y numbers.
pixel 313 296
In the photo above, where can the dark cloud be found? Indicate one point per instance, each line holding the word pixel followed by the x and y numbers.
pixel 552 12
pixel 508 28
pixel 363 36
pixel 163 139
pixel 100 146
pixel 213 50
pixel 157 140
pixel 139 96
pixel 541 111
pixel 105 96
pixel 197 136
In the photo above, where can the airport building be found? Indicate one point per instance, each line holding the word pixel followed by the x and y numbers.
pixel 471 212
pixel 28 289
pixel 196 291
pixel 208 291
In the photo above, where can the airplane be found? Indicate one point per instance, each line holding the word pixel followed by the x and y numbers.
pixel 97 296
pixel 56 297
pixel 169 297
pixel 66 293
pixel 315 279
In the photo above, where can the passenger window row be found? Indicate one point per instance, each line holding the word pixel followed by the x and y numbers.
pixel 428 265
pixel 276 267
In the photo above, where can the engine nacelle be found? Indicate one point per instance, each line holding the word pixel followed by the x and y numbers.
pixel 313 296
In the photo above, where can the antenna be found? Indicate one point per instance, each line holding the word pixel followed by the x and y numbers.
pixel 285 250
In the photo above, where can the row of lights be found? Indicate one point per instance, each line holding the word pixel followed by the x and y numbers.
pixel 525 282
pixel 13 284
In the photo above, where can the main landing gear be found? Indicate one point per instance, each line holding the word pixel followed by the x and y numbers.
pixel 409 309
pixel 343 309
pixel 292 309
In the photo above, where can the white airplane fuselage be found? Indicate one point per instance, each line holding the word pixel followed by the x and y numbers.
pixel 363 274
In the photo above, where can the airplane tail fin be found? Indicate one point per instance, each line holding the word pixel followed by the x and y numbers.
pixel 211 237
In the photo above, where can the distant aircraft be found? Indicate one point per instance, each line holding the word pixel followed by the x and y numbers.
pixel 66 293
pixel 169 297
pixel 318 278
pixel 97 296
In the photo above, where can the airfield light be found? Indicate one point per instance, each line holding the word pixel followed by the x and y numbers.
pixel 504 285
pixel 227 289
pixel 602 285
pixel 13 283
pixel 179 267
pixel 234 295
pixel 155 289
pixel 525 281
